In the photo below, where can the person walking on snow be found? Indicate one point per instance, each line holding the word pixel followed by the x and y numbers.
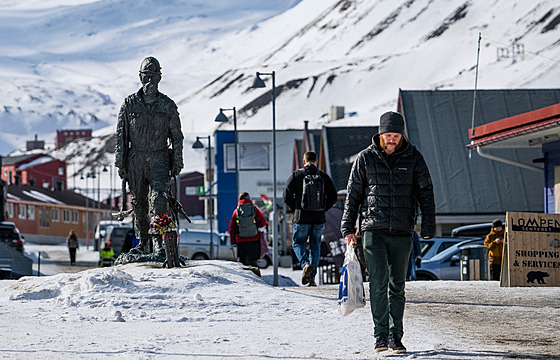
pixel 388 181
pixel 309 212
pixel 244 230
pixel 72 244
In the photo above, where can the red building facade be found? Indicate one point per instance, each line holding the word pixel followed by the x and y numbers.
pixel 63 137
pixel 36 170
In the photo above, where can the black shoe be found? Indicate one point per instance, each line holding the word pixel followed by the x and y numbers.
pixel 306 275
pixel 312 283
pixel 381 344
pixel 396 346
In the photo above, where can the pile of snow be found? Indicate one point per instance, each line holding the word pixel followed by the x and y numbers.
pixel 217 309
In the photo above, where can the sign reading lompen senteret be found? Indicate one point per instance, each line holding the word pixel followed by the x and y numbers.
pixel 532 250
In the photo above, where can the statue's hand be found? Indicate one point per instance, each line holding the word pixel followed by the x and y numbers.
pixel 122 172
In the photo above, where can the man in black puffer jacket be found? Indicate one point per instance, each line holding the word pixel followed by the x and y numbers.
pixel 388 182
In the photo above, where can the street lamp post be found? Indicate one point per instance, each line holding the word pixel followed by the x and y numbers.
pixel 198 145
pixel 221 117
pixel 110 185
pixel 98 195
pixel 92 176
pixel 87 208
pixel 259 83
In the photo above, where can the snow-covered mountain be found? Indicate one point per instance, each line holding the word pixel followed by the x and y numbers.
pixel 359 53
pixel 69 64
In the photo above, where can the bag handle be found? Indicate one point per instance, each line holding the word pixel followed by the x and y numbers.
pixel 350 253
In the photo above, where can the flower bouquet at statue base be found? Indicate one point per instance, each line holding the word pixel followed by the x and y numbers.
pixel 164 226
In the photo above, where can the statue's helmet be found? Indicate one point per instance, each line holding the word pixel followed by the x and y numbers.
pixel 150 65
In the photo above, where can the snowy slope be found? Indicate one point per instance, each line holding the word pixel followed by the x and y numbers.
pixel 69 64
pixel 359 53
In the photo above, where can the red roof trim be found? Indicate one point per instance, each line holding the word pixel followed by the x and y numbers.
pixel 516 125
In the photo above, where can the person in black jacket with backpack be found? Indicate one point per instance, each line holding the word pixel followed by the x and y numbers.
pixel 310 192
pixel 388 181
pixel 243 230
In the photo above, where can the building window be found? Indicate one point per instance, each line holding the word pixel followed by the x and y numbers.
pixel 75 217
pixel 229 152
pixel 22 211
pixel 253 157
pixel 10 210
pixel 31 212
pixel 66 216
pixel 55 215
pixel 44 216
pixel 61 171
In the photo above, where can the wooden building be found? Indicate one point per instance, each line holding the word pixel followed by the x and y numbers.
pixel 46 216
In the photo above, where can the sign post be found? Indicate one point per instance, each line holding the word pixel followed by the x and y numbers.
pixel 532 250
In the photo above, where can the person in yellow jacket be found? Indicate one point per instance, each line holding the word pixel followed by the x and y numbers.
pixel 106 255
pixel 495 241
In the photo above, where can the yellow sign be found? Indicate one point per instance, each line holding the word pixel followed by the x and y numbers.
pixel 532 250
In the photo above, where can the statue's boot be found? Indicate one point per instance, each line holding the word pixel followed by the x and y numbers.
pixel 159 249
pixel 143 247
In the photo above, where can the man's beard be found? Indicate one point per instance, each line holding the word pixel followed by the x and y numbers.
pixel 383 144
pixel 150 89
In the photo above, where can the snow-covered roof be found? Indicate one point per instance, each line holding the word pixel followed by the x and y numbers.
pixel 42 197
pixel 39 161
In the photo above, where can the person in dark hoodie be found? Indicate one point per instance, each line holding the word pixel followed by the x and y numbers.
pixel 309 212
pixel 244 227
pixel 389 180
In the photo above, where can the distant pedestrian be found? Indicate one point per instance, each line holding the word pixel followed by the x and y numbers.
pixel 388 181
pixel 309 192
pixel 495 242
pixel 72 244
pixel 244 230
pixel 106 255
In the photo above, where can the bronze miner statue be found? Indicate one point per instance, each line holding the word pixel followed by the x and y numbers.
pixel 148 153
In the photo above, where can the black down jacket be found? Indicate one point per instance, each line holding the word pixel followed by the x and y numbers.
pixel 387 199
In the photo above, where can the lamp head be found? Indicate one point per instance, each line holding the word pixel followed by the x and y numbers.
pixel 221 117
pixel 258 82
pixel 197 144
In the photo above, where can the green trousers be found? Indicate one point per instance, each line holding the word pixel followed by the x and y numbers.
pixel 387 262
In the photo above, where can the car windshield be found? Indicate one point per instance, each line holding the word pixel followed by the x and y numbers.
pixel 119 232
pixel 453 249
pixel 8 234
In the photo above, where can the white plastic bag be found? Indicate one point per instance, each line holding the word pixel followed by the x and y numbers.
pixel 351 295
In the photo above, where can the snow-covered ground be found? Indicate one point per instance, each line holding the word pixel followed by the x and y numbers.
pixel 217 310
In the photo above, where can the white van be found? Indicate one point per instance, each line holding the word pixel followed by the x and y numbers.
pixel 195 245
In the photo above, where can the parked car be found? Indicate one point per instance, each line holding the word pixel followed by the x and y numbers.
pixel 115 236
pixel 447 264
pixel 195 245
pixel 433 246
pixel 101 231
pixel 9 234
pixel 474 230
